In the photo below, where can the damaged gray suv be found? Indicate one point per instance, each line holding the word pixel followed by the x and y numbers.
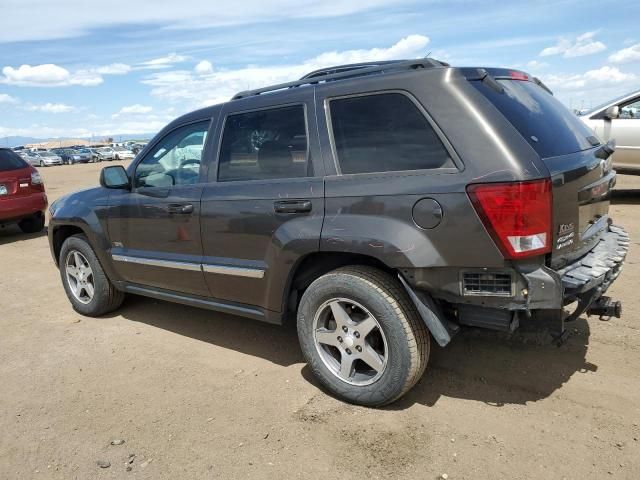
pixel 378 205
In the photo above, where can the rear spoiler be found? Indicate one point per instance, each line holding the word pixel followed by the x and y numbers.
pixel 490 75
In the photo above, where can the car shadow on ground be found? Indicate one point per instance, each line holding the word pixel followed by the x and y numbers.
pixel 12 233
pixel 277 344
pixel 627 196
pixel 494 368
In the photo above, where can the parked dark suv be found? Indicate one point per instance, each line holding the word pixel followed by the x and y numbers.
pixel 380 204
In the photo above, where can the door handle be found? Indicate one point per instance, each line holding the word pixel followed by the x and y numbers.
pixel 180 209
pixel 292 206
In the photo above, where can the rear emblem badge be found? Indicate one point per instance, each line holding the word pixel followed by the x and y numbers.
pixel 565 235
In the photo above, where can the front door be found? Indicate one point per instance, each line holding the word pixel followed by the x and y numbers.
pixel 263 208
pixel 625 130
pixel 155 228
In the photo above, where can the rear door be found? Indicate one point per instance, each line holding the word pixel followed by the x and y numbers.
pixel 263 207
pixel 155 228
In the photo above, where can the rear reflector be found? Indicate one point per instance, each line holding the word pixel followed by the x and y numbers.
pixel 516 214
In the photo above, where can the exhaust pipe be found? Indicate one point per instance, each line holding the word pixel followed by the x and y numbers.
pixel 605 308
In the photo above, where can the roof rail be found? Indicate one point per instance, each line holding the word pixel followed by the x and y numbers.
pixel 344 72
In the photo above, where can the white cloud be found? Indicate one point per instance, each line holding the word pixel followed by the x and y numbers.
pixel 50 108
pixel 136 109
pixel 591 87
pixel 5 98
pixel 626 55
pixel 113 69
pixel 204 67
pixel 536 65
pixel 51 75
pixel 181 85
pixel 163 62
pixel 584 44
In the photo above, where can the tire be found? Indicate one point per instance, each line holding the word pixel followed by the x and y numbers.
pixel 69 162
pixel 33 224
pixel 106 298
pixel 41 163
pixel 401 335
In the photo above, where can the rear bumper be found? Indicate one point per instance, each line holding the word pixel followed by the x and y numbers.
pixel 17 208
pixel 597 269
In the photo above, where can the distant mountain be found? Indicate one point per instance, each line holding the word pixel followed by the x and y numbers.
pixel 119 137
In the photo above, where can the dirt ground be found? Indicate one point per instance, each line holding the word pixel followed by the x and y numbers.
pixel 195 394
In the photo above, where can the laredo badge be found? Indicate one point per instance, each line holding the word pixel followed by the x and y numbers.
pixel 565 235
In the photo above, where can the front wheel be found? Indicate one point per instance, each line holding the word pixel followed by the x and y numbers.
pixel 89 290
pixel 41 163
pixel 362 336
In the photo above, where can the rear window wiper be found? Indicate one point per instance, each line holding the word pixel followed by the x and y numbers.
pixel 538 82
pixel 488 79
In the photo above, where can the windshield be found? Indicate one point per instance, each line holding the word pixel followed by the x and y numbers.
pixel 545 123
pixel 47 154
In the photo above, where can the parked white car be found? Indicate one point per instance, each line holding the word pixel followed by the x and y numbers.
pixel 121 153
pixel 619 120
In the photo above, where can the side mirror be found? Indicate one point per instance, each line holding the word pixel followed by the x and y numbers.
pixel 115 177
pixel 612 112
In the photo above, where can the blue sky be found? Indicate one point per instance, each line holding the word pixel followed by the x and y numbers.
pixel 67 69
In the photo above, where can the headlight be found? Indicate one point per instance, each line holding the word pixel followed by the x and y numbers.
pixel 76 157
pixel 36 179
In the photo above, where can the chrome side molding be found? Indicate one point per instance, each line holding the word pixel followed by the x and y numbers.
pixel 193 267
pixel 235 271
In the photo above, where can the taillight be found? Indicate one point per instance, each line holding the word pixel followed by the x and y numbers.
pixel 517 214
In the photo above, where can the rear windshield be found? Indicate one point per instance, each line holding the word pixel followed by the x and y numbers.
pixel 10 161
pixel 549 127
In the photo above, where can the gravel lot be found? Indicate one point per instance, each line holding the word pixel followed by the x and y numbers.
pixel 195 394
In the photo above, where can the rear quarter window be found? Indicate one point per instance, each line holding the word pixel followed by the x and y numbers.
pixel 549 127
pixel 11 161
pixel 384 132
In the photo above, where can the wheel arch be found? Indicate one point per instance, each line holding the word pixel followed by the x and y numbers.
pixel 313 265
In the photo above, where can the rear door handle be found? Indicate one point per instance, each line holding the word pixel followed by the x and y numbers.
pixel 292 206
pixel 180 209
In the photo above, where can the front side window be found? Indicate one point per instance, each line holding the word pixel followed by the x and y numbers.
pixel 631 110
pixel 175 160
pixel 265 144
pixel 383 133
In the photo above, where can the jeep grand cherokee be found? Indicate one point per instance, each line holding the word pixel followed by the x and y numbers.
pixel 381 205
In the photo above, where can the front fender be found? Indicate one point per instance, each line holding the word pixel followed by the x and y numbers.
pixel 84 211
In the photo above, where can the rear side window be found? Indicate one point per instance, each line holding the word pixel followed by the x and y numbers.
pixel 265 144
pixel 549 127
pixel 10 160
pixel 383 133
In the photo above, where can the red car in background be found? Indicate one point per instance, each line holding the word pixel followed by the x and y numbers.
pixel 22 197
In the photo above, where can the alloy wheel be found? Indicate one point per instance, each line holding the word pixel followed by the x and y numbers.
pixel 79 276
pixel 350 341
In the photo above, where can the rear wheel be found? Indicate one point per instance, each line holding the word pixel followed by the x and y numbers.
pixel 362 336
pixel 89 290
pixel 33 224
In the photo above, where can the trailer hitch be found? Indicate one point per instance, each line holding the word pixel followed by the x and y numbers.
pixel 605 308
